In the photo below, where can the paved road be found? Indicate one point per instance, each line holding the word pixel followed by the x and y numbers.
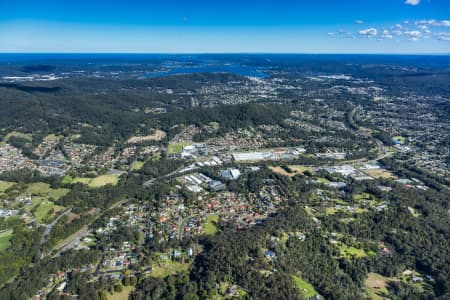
pixel 382 153
pixel 100 263
pixel 181 170
pixel 73 240
pixel 49 227
pixel 181 226
pixel 182 221
pixel 76 237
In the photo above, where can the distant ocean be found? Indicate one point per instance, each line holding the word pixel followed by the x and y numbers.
pixel 254 65
pixel 234 69
pixel 166 64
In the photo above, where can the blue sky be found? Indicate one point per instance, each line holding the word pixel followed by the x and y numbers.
pixel 175 26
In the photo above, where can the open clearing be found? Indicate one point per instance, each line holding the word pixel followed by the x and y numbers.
pixel 305 287
pixel 5 236
pixel 137 165
pixel 210 226
pixel 299 168
pixel 175 148
pixel 67 179
pixel 44 190
pixel 39 189
pixel 380 173
pixel 351 252
pixel 24 136
pixel 376 286
pixel 103 180
pixel 43 210
pixel 290 170
pixel 281 171
pixel 168 268
pixel 82 180
pixel 4 185
pixel 123 295
pixel 96 182
pixel 330 210
pixel 156 136
pixel 362 196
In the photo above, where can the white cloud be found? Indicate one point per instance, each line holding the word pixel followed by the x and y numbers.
pixel 443 36
pixel 413 33
pixel 369 32
pixel 342 33
pixel 407 30
pixel 412 2
pixel 440 23
pixel 424 28
pixel 359 22
pixel 386 34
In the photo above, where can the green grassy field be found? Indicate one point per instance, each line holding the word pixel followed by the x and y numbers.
pixel 67 179
pixel 42 194
pixel 137 165
pixel 42 211
pixel 123 295
pixel 168 268
pixel 4 239
pixel 103 180
pixel 376 286
pixel 17 134
pixel 96 182
pixel 37 200
pixel 39 189
pixel 362 196
pixel 380 173
pixel 350 251
pixel 4 185
pixel 339 201
pixel 322 180
pixel 44 190
pixel 57 193
pixel 330 210
pixel 210 227
pixel 175 148
pixel 81 180
pixel 304 286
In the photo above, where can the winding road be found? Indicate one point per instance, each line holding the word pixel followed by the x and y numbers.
pixel 49 227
